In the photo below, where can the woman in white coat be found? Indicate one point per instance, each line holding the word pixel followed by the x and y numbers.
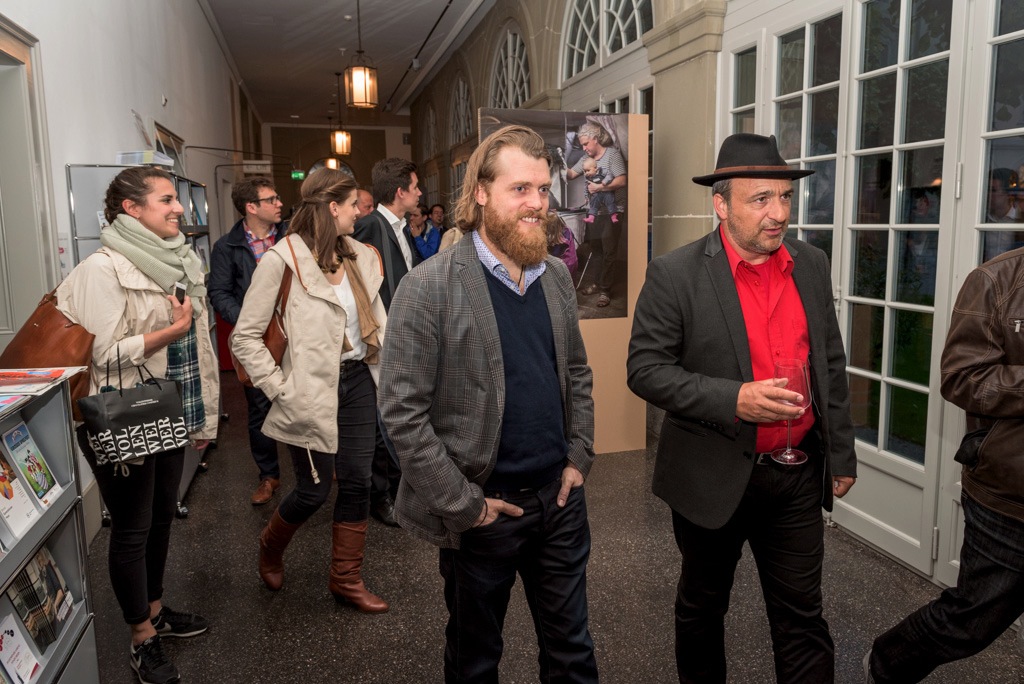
pixel 323 395
pixel 121 294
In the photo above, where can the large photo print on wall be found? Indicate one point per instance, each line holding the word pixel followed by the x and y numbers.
pixel 587 227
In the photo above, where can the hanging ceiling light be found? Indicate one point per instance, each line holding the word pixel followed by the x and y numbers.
pixel 341 140
pixel 361 76
pixel 331 163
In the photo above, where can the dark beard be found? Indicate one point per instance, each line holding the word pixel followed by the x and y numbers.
pixel 525 249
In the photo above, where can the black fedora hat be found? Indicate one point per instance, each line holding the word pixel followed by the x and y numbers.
pixel 746 155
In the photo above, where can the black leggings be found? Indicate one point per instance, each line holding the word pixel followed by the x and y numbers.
pixel 357 420
pixel 141 505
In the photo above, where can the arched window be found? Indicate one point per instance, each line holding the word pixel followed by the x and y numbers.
pixel 511 85
pixel 430 133
pixel 602 27
pixel 461 119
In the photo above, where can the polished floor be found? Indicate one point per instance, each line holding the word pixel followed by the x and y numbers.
pixel 299 635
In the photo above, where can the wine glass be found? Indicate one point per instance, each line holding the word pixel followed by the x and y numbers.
pixel 794 371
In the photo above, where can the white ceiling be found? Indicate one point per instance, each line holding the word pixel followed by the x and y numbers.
pixel 287 51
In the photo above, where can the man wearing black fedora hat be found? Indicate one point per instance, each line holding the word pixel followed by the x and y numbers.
pixel 711 321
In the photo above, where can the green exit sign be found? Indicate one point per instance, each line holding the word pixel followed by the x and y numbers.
pixel 298 175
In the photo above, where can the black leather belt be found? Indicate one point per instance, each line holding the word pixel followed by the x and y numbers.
pixel 349 367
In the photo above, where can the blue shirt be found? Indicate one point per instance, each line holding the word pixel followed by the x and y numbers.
pixel 498 270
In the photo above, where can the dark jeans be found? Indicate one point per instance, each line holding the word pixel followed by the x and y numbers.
pixel 264 449
pixel 605 199
pixel 548 547
pixel 141 505
pixel 385 472
pixel 357 415
pixel 780 517
pixel 610 239
pixel 963 620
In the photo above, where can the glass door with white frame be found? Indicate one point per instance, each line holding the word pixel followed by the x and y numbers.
pixel 903 135
pixel 860 91
pixel 990 217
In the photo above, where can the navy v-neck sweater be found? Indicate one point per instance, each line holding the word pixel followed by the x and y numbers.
pixel 533 448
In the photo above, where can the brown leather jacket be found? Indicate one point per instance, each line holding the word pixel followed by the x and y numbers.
pixel 983 373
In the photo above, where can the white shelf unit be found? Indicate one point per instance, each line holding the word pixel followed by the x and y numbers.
pixel 60 528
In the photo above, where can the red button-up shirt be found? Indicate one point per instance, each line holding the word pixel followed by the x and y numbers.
pixel 776 328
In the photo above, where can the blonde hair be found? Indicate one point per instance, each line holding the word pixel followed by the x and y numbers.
pixel 482 169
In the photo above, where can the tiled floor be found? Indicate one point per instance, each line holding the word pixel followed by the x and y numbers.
pixel 299 635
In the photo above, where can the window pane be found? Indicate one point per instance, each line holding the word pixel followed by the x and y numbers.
pixel 1008 84
pixel 925 118
pixel 1011 17
pixel 874 183
pixel 908 418
pixel 929 27
pixel 995 242
pixel 794 203
pixel 828 38
pixel 866 336
pixel 791 63
pixel 912 346
pixel 870 254
pixel 743 122
pixel 821 192
pixel 824 122
pixel 881 34
pixel 877 110
pixel 916 258
pixel 1004 201
pixel 789 122
pixel 922 185
pixel 822 239
pixel 916 264
pixel 865 397
pixel 746 77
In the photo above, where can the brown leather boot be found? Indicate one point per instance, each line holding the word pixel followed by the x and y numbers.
pixel 273 540
pixel 346 568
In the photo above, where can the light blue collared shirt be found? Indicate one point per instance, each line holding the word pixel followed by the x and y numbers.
pixel 498 270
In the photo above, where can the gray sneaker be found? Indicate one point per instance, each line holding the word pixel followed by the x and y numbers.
pixel 151 663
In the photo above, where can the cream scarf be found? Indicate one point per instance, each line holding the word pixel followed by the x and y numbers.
pixel 164 260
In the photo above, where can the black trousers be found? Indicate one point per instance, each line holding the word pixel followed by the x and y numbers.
pixel 548 547
pixel 780 517
pixel 141 504
pixel 385 471
pixel 357 415
pixel 264 449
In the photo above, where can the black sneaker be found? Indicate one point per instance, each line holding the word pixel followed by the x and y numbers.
pixel 171 623
pixel 151 664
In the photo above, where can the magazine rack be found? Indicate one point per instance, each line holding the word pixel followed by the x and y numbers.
pixel 59 528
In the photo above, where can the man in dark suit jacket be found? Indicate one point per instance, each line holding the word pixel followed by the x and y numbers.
pixel 485 389
pixel 710 322
pixel 232 264
pixel 396 192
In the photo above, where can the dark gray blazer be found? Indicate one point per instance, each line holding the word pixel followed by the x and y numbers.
pixel 375 230
pixel 689 355
pixel 442 388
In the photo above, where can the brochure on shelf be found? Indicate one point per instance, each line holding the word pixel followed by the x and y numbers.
pixel 16 506
pixel 31 465
pixel 15 655
pixel 34 381
pixel 41 599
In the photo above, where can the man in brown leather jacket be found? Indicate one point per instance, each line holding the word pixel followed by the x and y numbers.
pixel 983 373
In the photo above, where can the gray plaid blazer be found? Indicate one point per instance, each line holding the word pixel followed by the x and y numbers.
pixel 442 388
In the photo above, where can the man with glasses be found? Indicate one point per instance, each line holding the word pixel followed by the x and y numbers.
pixel 232 263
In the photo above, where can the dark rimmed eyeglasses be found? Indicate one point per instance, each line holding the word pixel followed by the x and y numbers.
pixel 273 199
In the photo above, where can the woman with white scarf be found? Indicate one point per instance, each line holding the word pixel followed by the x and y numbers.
pixel 123 295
